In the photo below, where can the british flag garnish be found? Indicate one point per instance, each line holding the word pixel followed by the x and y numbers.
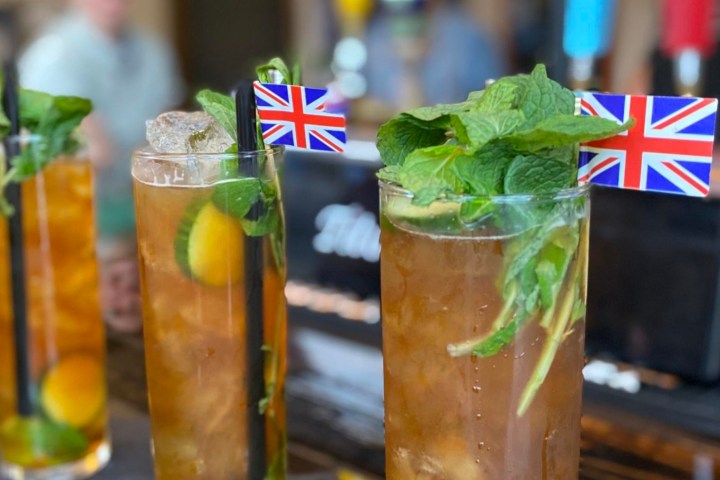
pixel 669 149
pixel 294 115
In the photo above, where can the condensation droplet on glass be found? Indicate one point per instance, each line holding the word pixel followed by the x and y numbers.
pixel 477 460
pixel 481 445
pixel 476 388
pixel 478 416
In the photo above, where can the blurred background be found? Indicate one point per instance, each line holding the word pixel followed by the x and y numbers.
pixel 652 395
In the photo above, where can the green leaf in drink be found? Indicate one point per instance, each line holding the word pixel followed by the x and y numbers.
pixel 36 440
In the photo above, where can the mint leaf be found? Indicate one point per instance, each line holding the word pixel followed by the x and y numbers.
pixel 401 136
pixel 434 112
pixel 236 197
pixel 268 223
pixel 544 98
pixel 264 72
pixel 478 128
pixel 389 174
pixel 499 339
pixel 579 310
pixel 529 289
pixel 27 163
pixel 547 275
pixel 429 172
pixel 503 94
pixel 535 175
pixel 58 125
pixel 54 120
pixel 474 209
pixel 222 108
pixel 566 129
pixel 554 260
pixel 34 106
pixel 482 173
pixel 524 248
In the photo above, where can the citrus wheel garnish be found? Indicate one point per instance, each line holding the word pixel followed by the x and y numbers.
pixel 209 246
pixel 73 391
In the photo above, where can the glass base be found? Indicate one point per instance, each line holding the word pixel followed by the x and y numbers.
pixel 87 466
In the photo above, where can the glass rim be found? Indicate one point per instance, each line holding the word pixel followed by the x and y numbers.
pixel 146 152
pixel 564 194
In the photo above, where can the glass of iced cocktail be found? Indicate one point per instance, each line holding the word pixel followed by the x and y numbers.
pixel 53 409
pixel 193 197
pixel 484 266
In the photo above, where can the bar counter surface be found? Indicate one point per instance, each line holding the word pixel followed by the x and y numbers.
pixel 616 445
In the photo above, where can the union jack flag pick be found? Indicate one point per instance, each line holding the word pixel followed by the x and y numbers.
pixel 295 116
pixel 669 149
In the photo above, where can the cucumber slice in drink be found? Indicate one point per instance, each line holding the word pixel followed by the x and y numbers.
pixel 209 245
pixel 440 217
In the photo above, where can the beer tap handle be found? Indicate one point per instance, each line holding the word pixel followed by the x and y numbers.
pixel 587 35
pixel 687 38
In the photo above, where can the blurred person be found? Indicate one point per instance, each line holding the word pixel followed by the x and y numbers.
pixel 92 51
pixel 436 56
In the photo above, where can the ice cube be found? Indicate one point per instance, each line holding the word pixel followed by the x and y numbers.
pixel 187 132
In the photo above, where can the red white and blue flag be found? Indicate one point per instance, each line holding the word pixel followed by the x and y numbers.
pixel 295 116
pixel 669 149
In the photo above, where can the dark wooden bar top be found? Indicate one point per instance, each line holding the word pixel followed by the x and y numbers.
pixel 132 459
pixel 615 444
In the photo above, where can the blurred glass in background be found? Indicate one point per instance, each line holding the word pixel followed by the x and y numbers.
pixel 92 49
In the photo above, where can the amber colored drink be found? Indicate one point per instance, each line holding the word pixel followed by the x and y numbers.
pixel 67 437
pixel 194 324
pixel 456 417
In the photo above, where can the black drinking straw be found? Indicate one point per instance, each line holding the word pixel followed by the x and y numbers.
pixel 15 241
pixel 255 375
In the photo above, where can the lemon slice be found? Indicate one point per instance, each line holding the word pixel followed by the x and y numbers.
pixel 73 391
pixel 209 246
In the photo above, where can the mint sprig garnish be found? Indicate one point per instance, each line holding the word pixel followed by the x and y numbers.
pixel 54 121
pixel 521 116
pixel 518 136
